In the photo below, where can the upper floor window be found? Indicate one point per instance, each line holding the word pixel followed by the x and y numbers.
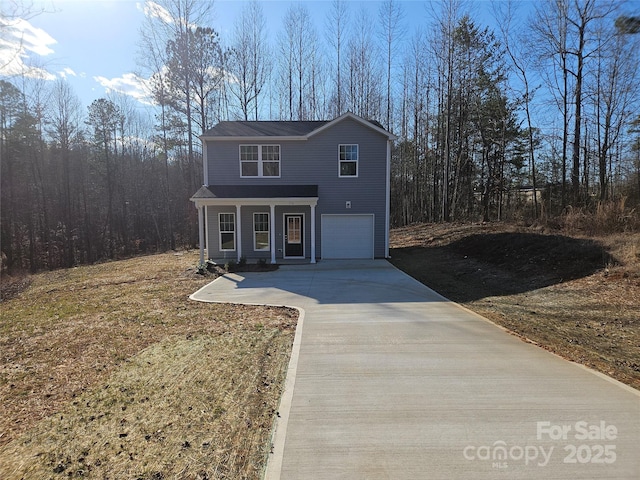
pixel 348 160
pixel 259 160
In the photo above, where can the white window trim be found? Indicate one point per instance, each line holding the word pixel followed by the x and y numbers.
pixel 268 232
pixel 220 232
pixel 260 161
pixel 357 160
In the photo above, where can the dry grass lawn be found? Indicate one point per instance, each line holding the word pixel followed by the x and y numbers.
pixel 110 371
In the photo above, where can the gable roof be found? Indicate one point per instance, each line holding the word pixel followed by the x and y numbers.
pixel 372 124
pixel 292 130
pixel 263 129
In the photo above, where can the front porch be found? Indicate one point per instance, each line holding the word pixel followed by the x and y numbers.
pixel 269 222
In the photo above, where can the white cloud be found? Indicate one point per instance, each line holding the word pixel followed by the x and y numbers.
pixel 33 39
pixel 67 72
pixel 128 84
pixel 18 41
pixel 153 10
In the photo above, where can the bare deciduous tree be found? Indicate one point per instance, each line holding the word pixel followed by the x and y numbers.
pixel 506 14
pixel 64 120
pixel 248 62
pixel 299 65
pixel 364 95
pixel 391 18
pixel 612 91
pixel 336 32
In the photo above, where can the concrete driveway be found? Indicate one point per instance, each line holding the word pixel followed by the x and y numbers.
pixel 389 380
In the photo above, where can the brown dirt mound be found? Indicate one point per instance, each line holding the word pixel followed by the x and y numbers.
pixel 556 256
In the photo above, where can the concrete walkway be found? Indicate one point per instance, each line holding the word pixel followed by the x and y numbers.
pixel 388 380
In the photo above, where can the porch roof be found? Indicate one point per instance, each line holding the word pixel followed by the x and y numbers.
pixel 255 191
pixel 256 195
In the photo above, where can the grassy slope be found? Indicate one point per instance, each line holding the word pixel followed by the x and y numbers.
pixel 109 371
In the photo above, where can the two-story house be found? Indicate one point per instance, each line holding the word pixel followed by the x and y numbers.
pixel 295 190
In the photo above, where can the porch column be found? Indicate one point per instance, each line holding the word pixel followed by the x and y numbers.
pixel 238 232
pixel 272 233
pixel 313 234
pixel 205 226
pixel 201 232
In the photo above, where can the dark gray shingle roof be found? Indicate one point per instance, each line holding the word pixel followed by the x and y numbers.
pixel 264 128
pixel 257 191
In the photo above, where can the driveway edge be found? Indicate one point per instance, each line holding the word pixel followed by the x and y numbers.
pixel 279 433
pixel 273 467
pixel 527 340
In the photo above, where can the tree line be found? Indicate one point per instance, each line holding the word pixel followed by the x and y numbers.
pixel 524 119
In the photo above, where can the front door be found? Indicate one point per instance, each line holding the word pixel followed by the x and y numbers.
pixel 293 236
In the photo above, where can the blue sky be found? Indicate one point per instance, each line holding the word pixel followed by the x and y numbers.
pixel 91 43
pixel 94 43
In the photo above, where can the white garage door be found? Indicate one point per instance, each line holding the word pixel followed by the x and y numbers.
pixel 347 236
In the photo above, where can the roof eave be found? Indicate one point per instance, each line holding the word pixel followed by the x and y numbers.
pixel 253 138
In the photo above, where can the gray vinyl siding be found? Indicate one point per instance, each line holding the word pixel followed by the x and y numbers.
pixel 213 247
pixel 246 214
pixel 247 232
pixel 315 161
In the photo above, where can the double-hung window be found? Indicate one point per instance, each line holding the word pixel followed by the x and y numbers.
pixel 227 223
pixel 249 160
pixel 270 160
pixel 260 231
pixel 347 160
pixel 259 160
